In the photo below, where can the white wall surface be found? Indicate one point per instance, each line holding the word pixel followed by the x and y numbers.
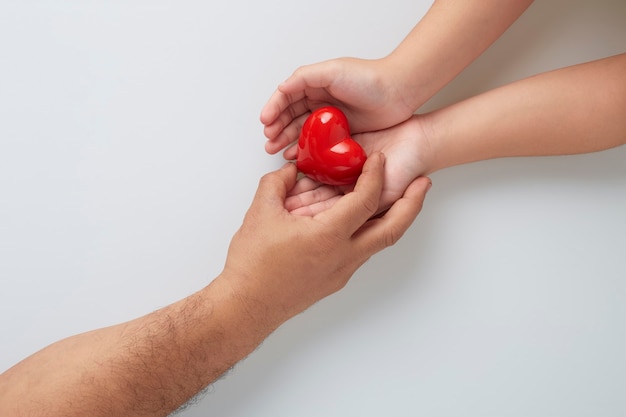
pixel 130 148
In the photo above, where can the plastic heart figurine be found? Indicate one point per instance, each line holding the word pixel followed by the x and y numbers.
pixel 326 152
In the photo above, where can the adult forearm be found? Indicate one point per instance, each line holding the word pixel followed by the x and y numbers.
pixel 145 367
pixel 449 37
pixel 577 109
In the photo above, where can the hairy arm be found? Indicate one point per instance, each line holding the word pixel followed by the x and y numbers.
pixel 151 365
pixel 146 367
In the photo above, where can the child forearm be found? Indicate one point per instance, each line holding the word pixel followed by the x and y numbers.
pixel 572 110
pixel 447 39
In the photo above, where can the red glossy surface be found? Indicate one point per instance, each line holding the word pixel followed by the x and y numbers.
pixel 326 152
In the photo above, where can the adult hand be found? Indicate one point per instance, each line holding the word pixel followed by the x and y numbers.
pixel 282 263
pixel 367 91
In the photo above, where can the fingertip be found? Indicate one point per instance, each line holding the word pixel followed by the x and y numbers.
pixel 291 153
pixel 274 107
pixel 429 184
pixel 374 159
pixel 425 183
pixel 290 170
pixel 287 86
pixel 281 87
pixel 374 165
pixel 268 111
pixel 287 170
pixel 418 188
pixel 372 169
pixel 279 181
pixel 263 115
pixel 288 165
pixel 270 147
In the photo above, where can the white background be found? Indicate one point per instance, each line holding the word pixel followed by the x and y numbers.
pixel 130 148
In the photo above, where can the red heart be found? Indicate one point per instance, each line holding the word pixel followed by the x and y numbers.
pixel 326 152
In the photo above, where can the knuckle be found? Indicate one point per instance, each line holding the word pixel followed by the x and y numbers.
pixel 369 204
pixel 300 71
pixel 266 179
pixel 269 182
pixel 292 113
pixel 392 235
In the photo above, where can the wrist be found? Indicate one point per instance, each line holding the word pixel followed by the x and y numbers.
pixel 238 299
pixel 420 148
pixel 437 129
pixel 404 76
pixel 457 133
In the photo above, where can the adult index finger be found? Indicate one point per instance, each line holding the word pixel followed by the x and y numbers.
pixel 385 231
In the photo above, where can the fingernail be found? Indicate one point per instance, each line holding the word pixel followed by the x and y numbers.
pixel 429 186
